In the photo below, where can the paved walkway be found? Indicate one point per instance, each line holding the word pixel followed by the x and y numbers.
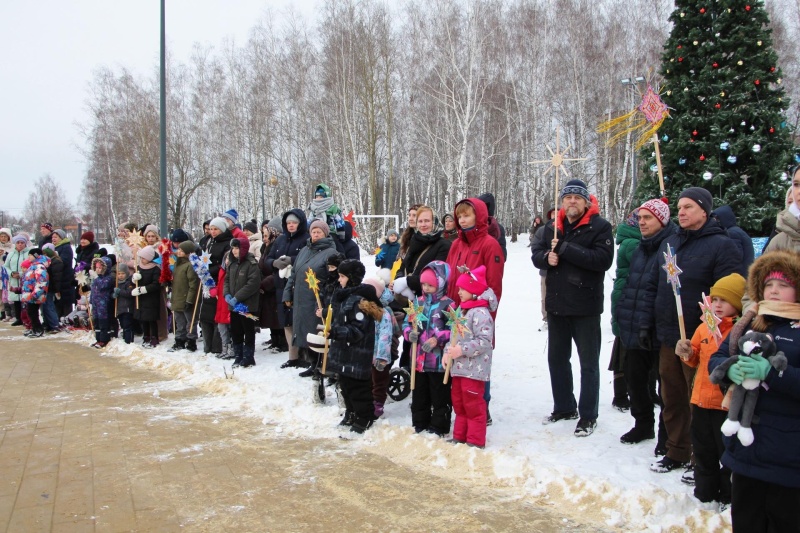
pixel 87 445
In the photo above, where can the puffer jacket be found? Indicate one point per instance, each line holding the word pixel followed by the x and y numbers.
pixel 704 255
pixel 353 332
pixel 774 456
pixel 217 247
pixel 628 238
pixel 35 281
pixel 149 308
pixel 84 256
pixel 788 237
pixel 13 263
pixel 473 248
pixel 477 341
pixel 351 250
pixel 635 297
pixel 184 285
pixel 740 238
pixel 704 393
pixel 388 254
pixel 288 244
pixel 243 277
pixel 101 296
pixel 585 253
pixel 125 303
pixel 434 325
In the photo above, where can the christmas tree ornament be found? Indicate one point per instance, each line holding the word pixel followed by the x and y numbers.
pixel 778 81
pixel 784 176
pixel 707 175
pixel 743 123
pixel 653 168
pixel 731 130
pixel 686 89
pixel 682 161
pixel 683 15
pixel 747 8
pixel 724 145
pixel 740 62
pixel 669 93
pixel 694 133
pixel 695 43
pixel 757 82
pixel 680 60
pixel 702 157
pixel 722 94
pixel 756 148
pixel 732 159
pixel 752 128
pixel 772 69
pixel 715 64
pixel 759 43
pixel 717 105
pixel 716 34
pixel 665 138
pixel 702 10
pixel 797 158
pixel 772 130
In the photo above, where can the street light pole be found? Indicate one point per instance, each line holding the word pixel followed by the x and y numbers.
pixel 163 125
pixel 263 204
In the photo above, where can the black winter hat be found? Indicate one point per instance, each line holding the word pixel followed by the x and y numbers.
pixel 335 260
pixel 700 196
pixel 179 236
pixel 354 270
pixel 251 227
pixel 488 199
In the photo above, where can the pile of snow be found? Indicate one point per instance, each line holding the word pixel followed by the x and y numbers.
pixel 594 479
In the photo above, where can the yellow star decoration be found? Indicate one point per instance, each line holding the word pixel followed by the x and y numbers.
pixel 136 239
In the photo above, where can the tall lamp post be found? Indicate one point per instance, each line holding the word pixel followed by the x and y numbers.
pixel 263 203
pixel 163 125
pixel 632 82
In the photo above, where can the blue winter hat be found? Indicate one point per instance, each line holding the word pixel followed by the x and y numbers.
pixel 575 187
pixel 232 215
pixel 321 192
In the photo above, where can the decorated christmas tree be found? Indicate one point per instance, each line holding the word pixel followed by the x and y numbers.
pixel 726 131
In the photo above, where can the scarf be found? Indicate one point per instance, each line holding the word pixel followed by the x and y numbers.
pixel 790 310
pixel 272 234
pixel 758 322
pixel 471 304
pixel 320 206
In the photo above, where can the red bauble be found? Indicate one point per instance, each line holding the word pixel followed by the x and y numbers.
pixel 717 105
pixel 694 133
pixel 680 60
pixel 702 10
pixel 772 130
pixel 757 82
pixel 772 69
pixel 702 157
pixel 747 8
pixel 680 46
pixel 715 64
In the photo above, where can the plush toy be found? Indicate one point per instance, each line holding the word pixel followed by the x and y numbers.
pixel 745 396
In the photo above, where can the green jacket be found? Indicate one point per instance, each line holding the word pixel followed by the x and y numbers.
pixel 628 238
pixel 184 285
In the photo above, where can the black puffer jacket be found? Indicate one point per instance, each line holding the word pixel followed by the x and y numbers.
pixel 742 240
pixel 288 244
pixel 421 251
pixel 352 332
pixel 350 247
pixel 575 285
pixel 217 247
pixel 85 256
pixel 704 255
pixel 634 297
pixel 149 309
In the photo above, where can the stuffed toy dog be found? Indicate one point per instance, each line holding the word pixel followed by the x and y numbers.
pixel 745 396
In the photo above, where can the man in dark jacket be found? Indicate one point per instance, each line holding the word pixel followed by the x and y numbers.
pixel 705 254
pixel 655 226
pixel 576 260
pixel 496 229
pixel 725 215
pixel 350 247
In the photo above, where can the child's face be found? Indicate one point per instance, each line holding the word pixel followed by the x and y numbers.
pixel 99 267
pixel 332 268
pixel 465 295
pixel 779 291
pixel 427 288
pixel 235 252
pixel 722 308
pixel 392 238
pixel 151 238
pixel 342 280
pixel 121 275
pixel 180 253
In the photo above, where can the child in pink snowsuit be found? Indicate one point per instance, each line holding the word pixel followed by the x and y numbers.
pixel 472 358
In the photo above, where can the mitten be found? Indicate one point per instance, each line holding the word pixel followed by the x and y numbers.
pixel 231 300
pixel 413 336
pixel 285 272
pixel 93 274
pixel 136 276
pixel 212 292
pixel 115 293
pixel 138 291
pixel 684 349
pixel 429 345
pixel 755 367
pixel 282 262
pixel 735 374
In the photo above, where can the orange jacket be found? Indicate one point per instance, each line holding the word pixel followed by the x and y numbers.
pixel 704 393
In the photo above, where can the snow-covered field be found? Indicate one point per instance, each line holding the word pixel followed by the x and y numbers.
pixel 595 479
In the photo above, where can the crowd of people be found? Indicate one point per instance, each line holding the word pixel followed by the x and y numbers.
pixel 432 306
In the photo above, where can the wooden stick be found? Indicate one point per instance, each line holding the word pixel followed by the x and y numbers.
pixel 194 312
pixel 136 270
pixel 326 332
pixel 658 164
pixel 453 341
pixel 116 286
pixel 680 313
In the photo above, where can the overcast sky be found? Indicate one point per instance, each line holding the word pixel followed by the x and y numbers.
pixel 49 50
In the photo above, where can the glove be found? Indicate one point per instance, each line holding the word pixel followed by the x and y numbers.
pixel 212 292
pixel 138 291
pixel 285 272
pixel 684 349
pixel 282 262
pixel 429 345
pixel 380 255
pixel 231 300
pixel 93 274
pixel 755 367
pixel 413 336
pixel 136 277
pixel 645 339
pixel 115 293
pixel 735 374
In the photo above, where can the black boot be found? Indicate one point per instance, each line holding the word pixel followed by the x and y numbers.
pixel 180 344
pixel 191 345
pixel 248 357
pixel 238 353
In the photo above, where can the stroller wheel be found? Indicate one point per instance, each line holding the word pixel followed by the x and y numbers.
pixel 399 384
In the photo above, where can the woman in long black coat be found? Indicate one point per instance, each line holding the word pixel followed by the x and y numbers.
pixel 147 305
pixel 268 317
pixel 283 254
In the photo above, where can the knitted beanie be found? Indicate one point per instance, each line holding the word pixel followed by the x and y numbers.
pixel 659 208
pixel 731 289
pixel 320 225
pixel 148 253
pixel 575 187
pixel 188 247
pixel 700 196
pixel 218 223
pixel 428 276
pixel 474 281
pixel 88 235
pixel 633 219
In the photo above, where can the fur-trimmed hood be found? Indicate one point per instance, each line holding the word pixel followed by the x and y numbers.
pixel 786 261
pixel 372 309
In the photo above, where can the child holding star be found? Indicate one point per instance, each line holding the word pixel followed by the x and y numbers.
pixel 712 482
pixel 471 357
pixel 430 400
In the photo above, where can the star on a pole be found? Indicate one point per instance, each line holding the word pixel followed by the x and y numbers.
pixel 711 320
pixel 670 266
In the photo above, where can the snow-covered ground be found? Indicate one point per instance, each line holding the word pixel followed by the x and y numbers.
pixel 595 479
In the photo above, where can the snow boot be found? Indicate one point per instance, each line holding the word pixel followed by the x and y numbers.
pixel 180 344
pixel 238 354
pixel 227 352
pixel 248 357
pixel 638 434
pixel 191 345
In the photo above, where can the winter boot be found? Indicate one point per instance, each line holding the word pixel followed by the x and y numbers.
pixel 227 352
pixel 154 342
pixel 238 353
pixel 180 344
pixel 191 345
pixel 621 402
pixel 145 342
pixel 377 409
pixel 638 434
pixel 248 357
